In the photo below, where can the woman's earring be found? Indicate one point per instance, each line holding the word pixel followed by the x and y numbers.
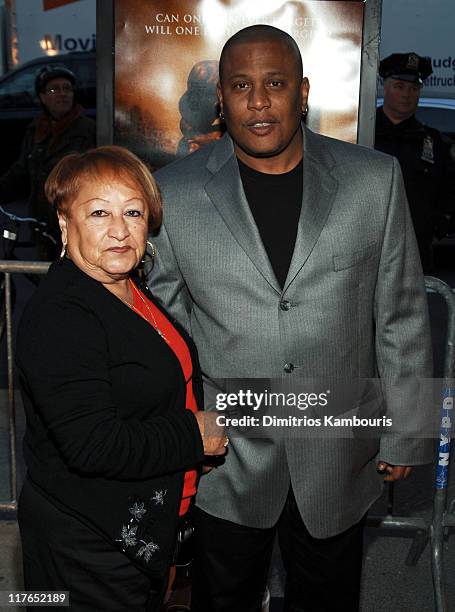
pixel 305 112
pixel 63 251
pixel 221 116
pixel 152 252
pixel 148 260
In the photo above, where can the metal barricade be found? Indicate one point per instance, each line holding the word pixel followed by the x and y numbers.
pixel 7 268
pixel 443 516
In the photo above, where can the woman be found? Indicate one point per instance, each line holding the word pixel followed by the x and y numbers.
pixel 59 129
pixel 111 388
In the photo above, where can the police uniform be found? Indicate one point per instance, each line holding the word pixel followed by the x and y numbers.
pixel 425 159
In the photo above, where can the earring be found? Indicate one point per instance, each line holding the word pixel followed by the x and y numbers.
pixel 148 259
pixel 63 251
pixel 152 249
pixel 221 116
pixel 305 112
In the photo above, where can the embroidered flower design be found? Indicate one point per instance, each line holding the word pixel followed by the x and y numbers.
pixel 147 551
pixel 129 535
pixel 138 511
pixel 158 497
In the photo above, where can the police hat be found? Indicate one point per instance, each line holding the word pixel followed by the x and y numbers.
pixel 406 67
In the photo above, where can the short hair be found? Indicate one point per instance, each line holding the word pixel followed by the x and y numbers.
pixel 101 164
pixel 261 33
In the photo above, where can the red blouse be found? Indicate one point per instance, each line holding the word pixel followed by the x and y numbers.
pixel 157 319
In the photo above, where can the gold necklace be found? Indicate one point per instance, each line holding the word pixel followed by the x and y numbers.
pixel 149 310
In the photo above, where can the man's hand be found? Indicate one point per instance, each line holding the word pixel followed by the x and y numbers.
pixel 214 439
pixel 393 472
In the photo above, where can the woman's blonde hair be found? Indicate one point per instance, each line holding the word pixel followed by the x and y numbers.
pixel 103 164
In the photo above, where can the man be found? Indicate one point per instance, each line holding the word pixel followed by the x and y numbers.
pixel 288 254
pixel 424 155
pixel 60 129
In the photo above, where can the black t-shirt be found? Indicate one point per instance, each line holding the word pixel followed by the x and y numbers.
pixel 275 201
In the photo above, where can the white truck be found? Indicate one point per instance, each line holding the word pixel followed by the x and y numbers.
pixel 425 27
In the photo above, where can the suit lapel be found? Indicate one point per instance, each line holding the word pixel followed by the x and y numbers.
pixel 225 190
pixel 319 190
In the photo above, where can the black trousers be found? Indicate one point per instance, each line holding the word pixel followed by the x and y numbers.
pixel 232 563
pixel 61 553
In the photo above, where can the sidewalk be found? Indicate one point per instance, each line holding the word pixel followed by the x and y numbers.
pixel 388 585
pixel 10 560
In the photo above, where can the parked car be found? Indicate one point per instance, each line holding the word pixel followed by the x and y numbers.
pixel 438 113
pixel 19 103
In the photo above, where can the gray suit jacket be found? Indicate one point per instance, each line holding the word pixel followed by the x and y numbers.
pixel 353 307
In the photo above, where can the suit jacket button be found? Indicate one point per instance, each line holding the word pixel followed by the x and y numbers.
pixel 285 305
pixel 289 367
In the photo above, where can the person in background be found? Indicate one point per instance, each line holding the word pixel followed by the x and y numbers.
pixel 111 387
pixel 61 128
pixel 199 123
pixel 424 153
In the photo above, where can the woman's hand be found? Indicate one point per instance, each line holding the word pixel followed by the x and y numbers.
pixel 214 438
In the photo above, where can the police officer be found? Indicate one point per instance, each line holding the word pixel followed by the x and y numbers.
pixel 424 154
pixel 61 128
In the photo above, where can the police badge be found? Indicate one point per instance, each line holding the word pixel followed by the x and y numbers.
pixel 413 62
pixel 427 150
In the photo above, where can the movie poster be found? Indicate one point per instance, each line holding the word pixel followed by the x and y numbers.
pixel 166 67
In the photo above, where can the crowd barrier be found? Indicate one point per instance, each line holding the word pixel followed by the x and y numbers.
pixel 434 531
pixel 6 269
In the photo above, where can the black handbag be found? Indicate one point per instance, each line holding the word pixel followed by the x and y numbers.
pixel 184 543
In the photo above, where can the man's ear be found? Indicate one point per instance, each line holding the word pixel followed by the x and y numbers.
pixel 304 93
pixel 219 94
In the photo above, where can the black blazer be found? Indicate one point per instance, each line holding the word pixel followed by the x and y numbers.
pixel 108 436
